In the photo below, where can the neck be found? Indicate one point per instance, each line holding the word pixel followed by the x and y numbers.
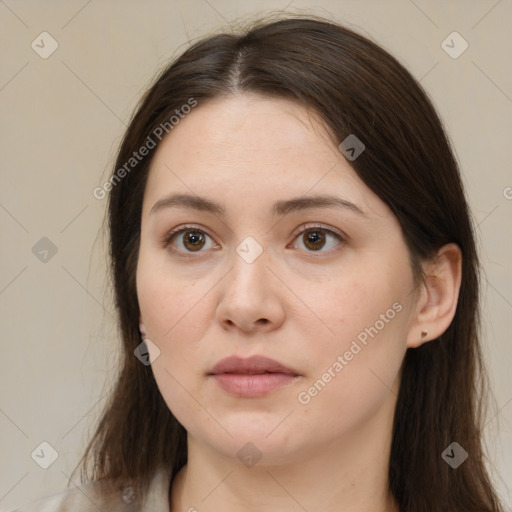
pixel 348 475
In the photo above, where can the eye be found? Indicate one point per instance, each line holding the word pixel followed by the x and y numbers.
pixel 314 238
pixel 194 239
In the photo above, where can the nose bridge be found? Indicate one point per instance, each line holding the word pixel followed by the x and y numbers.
pixel 250 263
pixel 249 295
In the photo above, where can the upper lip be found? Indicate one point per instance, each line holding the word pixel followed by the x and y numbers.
pixel 250 365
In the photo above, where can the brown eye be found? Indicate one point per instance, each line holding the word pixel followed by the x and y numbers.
pixel 314 240
pixel 187 240
pixel 193 240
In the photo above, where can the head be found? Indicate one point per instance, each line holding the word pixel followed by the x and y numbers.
pixel 248 126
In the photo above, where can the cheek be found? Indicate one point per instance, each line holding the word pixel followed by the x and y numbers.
pixel 360 343
pixel 174 316
pixel 177 311
pixel 354 372
pixel 358 305
pixel 167 299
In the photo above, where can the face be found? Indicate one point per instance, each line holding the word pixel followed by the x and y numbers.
pixel 322 289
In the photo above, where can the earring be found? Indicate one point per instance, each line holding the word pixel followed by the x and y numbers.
pixel 424 333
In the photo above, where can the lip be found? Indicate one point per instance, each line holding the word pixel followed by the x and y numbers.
pixel 250 365
pixel 252 377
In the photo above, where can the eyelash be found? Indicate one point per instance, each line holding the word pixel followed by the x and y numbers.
pixel 175 232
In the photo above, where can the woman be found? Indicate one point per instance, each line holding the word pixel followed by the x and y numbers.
pixel 296 280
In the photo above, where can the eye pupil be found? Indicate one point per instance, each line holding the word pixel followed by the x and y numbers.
pixel 315 237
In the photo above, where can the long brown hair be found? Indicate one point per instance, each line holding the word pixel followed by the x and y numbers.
pixel 357 88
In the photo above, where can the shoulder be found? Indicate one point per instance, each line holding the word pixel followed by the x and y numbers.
pixel 84 498
pixel 94 496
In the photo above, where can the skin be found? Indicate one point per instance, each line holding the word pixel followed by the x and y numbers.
pixel 300 306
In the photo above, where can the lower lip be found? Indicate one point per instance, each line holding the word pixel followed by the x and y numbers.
pixel 243 385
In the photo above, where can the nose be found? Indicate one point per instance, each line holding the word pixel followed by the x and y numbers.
pixel 250 297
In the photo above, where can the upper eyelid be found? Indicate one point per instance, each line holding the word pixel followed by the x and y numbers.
pixel 312 225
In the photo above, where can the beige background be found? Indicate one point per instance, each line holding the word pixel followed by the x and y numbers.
pixel 62 119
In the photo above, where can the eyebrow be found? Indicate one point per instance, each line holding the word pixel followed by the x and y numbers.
pixel 280 208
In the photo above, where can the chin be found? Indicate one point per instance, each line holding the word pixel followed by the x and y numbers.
pixel 256 436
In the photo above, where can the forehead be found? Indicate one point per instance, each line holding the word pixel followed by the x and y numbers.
pixel 244 146
pixel 248 124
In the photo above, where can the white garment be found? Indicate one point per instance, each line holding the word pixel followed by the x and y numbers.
pixel 89 498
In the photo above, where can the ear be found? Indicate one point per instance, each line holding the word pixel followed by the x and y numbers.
pixel 142 328
pixel 438 295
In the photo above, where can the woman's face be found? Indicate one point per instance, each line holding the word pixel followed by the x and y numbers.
pixel 325 290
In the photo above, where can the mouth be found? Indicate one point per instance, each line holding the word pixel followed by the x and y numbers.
pixel 251 377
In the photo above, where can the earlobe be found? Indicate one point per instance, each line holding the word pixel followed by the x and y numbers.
pixel 437 302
